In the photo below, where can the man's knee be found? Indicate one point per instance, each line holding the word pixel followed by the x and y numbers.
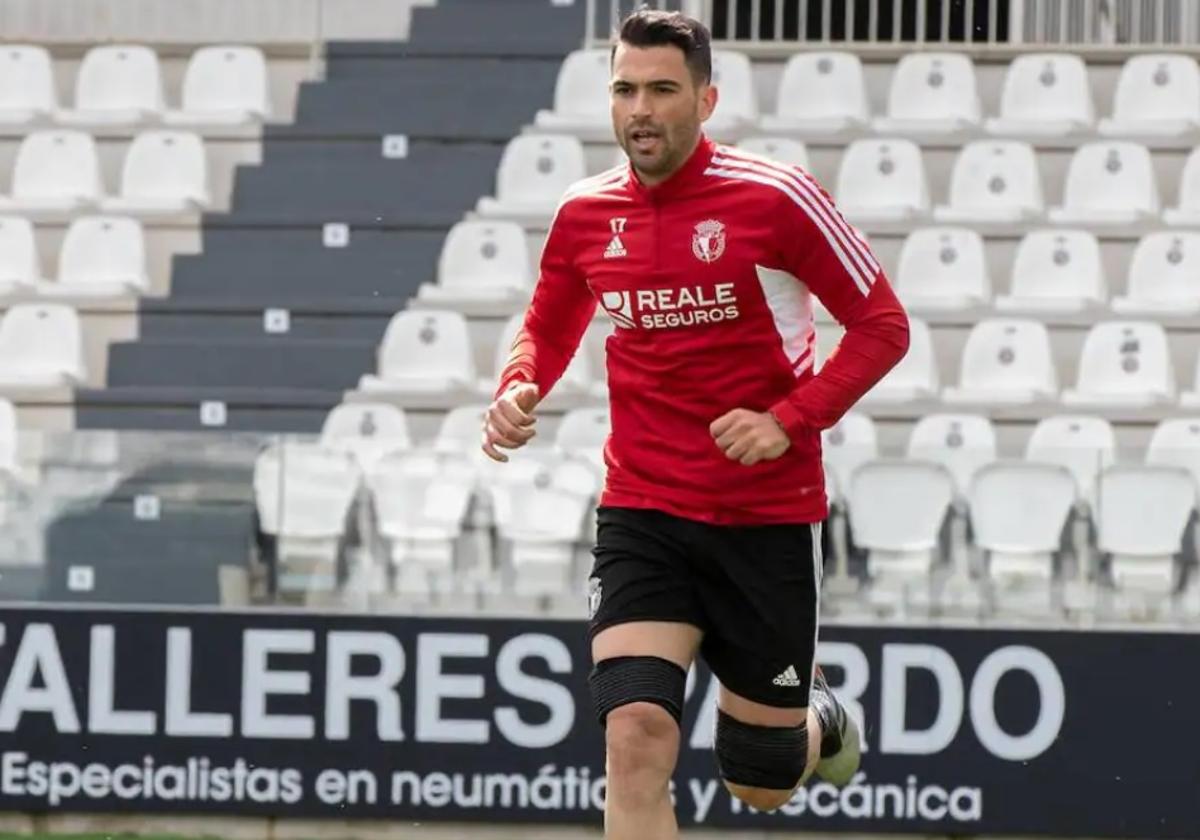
pixel 761 765
pixel 641 744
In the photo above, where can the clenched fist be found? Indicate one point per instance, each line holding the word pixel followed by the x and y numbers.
pixel 509 422
pixel 749 436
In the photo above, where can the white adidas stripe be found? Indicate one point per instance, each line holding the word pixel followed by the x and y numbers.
pixel 815 205
pixel 852 269
pixel 823 205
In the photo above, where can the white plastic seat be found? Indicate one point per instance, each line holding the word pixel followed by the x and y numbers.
pixel 1110 183
pixel 368 431
pixel 1018 511
pixel 781 149
pixel 101 256
pixel 27 93
pixel 1083 445
pixel 1141 517
pixel 943 269
pixel 1176 443
pixel 915 377
pixel 116 85
pixel 820 93
pixel 1164 276
pixel 931 93
pixel 962 443
pixel 164 172
pixel 543 523
pixel 55 172
pixel 1187 212
pixel 534 172
pixel 1157 96
pixel 994 181
pixel 846 446
pixel 41 346
pixel 581 103
pixel 897 508
pixel 9 438
pixel 1191 399
pixel 482 260
pixel 1123 364
pixel 20 266
pixel 1005 361
pixel 583 434
pixel 737 109
pixel 224 85
pixel 1044 95
pixel 1056 271
pixel 424 352
pixel 576 379
pixel 882 180
pixel 461 430
pixel 304 494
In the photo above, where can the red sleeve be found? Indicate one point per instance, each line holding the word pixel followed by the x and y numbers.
pixel 559 313
pixel 825 253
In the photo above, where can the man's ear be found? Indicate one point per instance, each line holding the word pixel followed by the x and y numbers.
pixel 708 101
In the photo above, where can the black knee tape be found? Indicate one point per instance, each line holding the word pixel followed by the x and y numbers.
pixel 637 679
pixel 770 757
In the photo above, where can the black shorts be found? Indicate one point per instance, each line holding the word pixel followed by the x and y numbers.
pixel 752 590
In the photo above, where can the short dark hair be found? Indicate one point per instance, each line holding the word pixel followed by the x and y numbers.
pixel 656 28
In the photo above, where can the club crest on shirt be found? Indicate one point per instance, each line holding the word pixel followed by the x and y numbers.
pixel 708 242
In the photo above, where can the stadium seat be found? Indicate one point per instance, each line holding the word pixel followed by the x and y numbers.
pixel 1176 442
pixel 164 172
pixel 1187 212
pixel 583 434
pixel 737 107
pixel 897 509
pixel 915 377
pixel 1141 517
pixel 1157 96
pixel 41 346
pixel 1191 399
pixel 27 93
pixel 994 181
pixel 116 85
pixel 821 93
pixel 1110 183
pixel 1044 95
pixel 581 97
pixel 882 180
pixel 305 495
pixel 1123 364
pixel 1164 276
pixel 576 380
pixel 534 172
pixel 368 431
pixel 55 172
pixel 1018 511
pixel 20 265
pixel 101 256
pixel 846 446
pixel 962 443
pixel 223 85
pixel 482 261
pixel 1056 271
pixel 943 269
pixel 420 504
pixel 1084 445
pixel 781 149
pixel 1005 361
pixel 460 432
pixel 424 352
pixel 543 524
pixel 931 93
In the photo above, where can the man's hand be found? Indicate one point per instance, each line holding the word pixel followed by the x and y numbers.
pixel 749 436
pixel 509 420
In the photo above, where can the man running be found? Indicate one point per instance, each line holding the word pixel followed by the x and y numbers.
pixel 708 530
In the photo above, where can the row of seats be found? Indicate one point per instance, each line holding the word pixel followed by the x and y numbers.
pixel 884 180
pixel 58 171
pixel 121 84
pixel 1044 95
pixel 100 256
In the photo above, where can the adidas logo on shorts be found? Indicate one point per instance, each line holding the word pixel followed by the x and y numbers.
pixel 788 679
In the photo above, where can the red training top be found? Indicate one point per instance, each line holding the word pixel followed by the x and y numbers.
pixel 708 278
